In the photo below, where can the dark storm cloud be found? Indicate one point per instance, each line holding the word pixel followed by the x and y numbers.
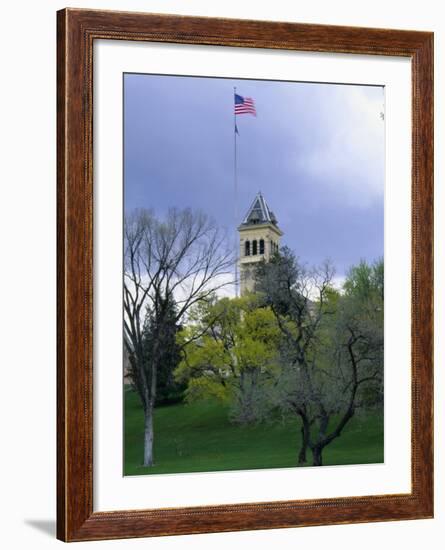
pixel 316 151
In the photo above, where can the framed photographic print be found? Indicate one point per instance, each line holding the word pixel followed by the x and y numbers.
pixel 245 227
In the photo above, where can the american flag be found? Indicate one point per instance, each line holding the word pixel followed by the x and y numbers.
pixel 244 105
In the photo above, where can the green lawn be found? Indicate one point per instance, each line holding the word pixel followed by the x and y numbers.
pixel 199 438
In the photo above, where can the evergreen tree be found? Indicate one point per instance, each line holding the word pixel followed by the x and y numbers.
pixel 168 390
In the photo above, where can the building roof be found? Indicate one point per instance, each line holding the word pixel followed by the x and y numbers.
pixel 259 212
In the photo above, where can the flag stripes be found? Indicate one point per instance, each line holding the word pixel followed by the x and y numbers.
pixel 244 105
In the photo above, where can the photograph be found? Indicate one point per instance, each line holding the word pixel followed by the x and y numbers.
pixel 245 216
pixel 253 274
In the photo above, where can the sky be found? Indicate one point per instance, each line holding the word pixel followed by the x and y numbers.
pixel 315 151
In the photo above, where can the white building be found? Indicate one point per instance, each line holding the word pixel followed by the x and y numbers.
pixel 259 236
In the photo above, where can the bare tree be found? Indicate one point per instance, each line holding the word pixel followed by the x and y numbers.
pixel 178 261
pixel 332 352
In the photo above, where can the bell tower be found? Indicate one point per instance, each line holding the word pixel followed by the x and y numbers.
pixel 259 239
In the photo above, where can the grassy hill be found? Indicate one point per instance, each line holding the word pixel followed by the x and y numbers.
pixel 199 438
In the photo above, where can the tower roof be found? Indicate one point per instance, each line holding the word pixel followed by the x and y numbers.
pixel 259 212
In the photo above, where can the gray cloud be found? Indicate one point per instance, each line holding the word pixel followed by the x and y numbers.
pixel 316 151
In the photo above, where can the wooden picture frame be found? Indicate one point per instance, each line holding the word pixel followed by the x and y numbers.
pixel 77 31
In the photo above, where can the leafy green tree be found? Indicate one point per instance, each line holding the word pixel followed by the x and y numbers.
pixel 366 282
pixel 362 317
pixel 231 356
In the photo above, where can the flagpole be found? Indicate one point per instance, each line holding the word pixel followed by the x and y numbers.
pixel 235 180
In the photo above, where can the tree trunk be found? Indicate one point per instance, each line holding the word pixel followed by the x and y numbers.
pixel 302 459
pixel 316 455
pixel 148 437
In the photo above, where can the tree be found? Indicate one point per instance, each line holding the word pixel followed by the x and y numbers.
pixel 366 282
pixel 169 265
pixel 362 319
pixel 233 356
pixel 332 349
pixel 168 390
